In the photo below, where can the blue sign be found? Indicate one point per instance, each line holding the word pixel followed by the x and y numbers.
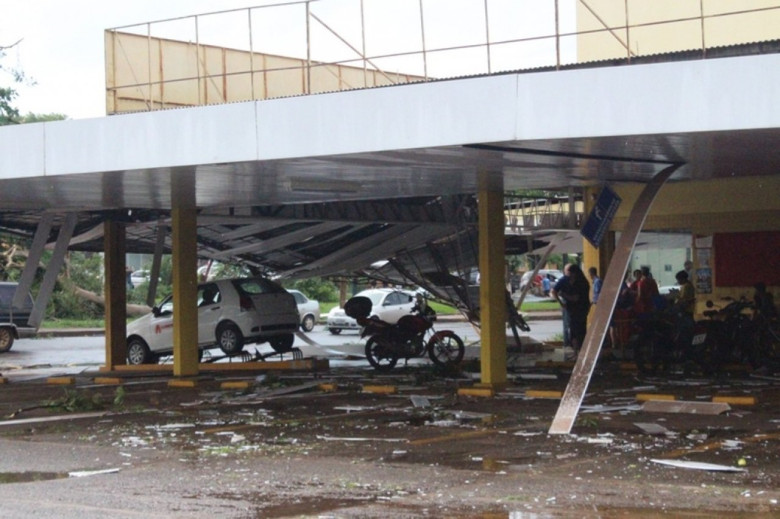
pixel 600 217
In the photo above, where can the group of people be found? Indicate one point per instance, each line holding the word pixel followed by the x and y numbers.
pixel 637 297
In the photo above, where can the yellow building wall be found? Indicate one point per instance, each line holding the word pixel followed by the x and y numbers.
pixel 145 73
pixel 685 31
pixel 745 204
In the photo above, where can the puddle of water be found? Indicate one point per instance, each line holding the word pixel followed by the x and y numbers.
pixel 27 477
pixel 306 506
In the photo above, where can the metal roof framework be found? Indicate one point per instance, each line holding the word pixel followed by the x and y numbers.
pixel 331 183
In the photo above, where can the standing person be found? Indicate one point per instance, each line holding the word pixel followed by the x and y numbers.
pixel 594 276
pixel 573 292
pixel 578 303
pixel 647 291
pixel 763 302
pixel 546 285
pixel 685 305
pixel 633 282
pixel 556 292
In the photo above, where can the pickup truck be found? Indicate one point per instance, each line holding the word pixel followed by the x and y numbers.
pixel 13 320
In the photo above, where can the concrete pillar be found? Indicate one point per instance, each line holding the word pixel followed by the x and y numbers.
pixel 115 292
pixel 492 290
pixel 185 277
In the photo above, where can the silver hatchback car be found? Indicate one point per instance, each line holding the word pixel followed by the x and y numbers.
pixel 231 314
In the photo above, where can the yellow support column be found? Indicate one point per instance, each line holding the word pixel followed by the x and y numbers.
pixel 115 291
pixel 185 282
pixel 492 298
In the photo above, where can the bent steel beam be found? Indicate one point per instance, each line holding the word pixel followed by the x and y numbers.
pixel 52 269
pixel 33 258
pixel 586 362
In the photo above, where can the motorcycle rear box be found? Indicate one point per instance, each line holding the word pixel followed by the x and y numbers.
pixel 358 307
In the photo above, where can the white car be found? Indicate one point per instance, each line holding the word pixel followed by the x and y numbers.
pixel 231 313
pixel 388 304
pixel 138 277
pixel 308 309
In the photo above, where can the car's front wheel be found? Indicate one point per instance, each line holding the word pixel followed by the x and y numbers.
pixel 308 323
pixel 282 343
pixel 334 331
pixel 138 352
pixel 230 339
pixel 6 339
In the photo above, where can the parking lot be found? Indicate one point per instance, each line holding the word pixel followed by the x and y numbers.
pixel 341 444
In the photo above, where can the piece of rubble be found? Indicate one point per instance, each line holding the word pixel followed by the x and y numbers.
pixel 685 406
pixel 652 428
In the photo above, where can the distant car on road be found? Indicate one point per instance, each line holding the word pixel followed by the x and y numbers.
pixel 388 304
pixel 231 313
pixel 139 277
pixel 308 309
pixel 13 320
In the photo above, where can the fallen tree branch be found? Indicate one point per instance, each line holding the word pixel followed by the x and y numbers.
pixel 132 309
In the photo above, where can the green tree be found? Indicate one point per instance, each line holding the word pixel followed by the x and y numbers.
pixel 315 288
pixel 41 118
pixel 8 113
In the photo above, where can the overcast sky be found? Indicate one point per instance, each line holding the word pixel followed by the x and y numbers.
pixel 62 46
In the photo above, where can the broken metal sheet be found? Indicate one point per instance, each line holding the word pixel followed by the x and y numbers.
pixel 420 401
pixel 538 376
pixel 697 465
pixel 357 408
pixel 85 473
pixel 74 416
pixel 359 439
pixel 609 408
pixel 669 406
pixel 652 428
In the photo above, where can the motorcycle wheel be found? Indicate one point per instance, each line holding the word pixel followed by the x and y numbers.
pixel 446 348
pixel 380 356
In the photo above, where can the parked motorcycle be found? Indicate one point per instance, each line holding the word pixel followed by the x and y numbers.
pixel 731 334
pixel 663 339
pixel 387 343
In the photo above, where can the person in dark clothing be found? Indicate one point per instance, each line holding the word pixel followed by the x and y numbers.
pixel 579 306
pixel 764 302
pixel 575 297
pixel 561 286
